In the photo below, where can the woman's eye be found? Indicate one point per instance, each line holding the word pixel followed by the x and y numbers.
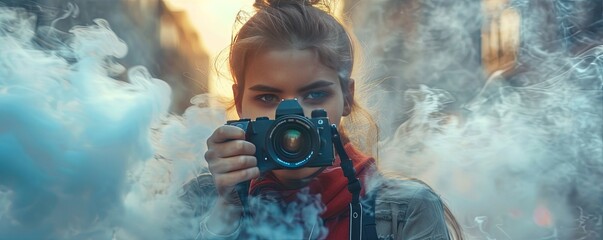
pixel 316 96
pixel 267 98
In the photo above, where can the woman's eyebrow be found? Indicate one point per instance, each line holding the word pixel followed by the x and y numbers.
pixel 264 88
pixel 317 84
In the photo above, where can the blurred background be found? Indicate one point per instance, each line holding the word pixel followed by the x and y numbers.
pixel 179 40
pixel 468 48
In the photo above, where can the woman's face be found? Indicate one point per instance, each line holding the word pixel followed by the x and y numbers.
pixel 272 75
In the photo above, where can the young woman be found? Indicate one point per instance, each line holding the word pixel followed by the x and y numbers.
pixel 295 50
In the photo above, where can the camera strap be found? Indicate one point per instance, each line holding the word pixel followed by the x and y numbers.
pixel 362 223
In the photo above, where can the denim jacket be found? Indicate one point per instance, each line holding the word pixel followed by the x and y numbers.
pixel 404 209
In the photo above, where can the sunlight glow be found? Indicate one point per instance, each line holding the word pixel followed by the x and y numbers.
pixel 214 21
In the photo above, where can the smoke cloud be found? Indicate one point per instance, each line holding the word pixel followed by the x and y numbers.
pixel 85 156
pixel 517 154
pixel 76 143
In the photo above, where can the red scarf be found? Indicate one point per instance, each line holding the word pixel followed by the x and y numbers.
pixel 332 185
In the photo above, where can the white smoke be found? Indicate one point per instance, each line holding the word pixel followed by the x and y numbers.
pixel 77 156
pixel 520 157
pixel 85 156
pixel 296 220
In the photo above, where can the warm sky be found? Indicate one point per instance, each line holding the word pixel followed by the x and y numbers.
pixel 214 19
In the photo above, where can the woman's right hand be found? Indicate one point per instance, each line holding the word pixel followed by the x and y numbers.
pixel 230 160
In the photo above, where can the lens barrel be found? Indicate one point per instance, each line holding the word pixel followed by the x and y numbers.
pixel 292 141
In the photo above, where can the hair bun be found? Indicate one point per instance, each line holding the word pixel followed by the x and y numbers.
pixel 261 4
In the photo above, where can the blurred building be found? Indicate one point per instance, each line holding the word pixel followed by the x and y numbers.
pixel 412 43
pixel 456 45
pixel 568 26
pixel 159 39
pixel 184 63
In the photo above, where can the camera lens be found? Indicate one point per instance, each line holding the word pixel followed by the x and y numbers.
pixel 292 141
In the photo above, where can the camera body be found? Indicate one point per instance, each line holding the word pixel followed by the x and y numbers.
pixel 291 140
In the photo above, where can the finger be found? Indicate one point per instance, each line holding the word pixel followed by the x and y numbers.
pixel 230 179
pixel 233 148
pixel 231 164
pixel 224 134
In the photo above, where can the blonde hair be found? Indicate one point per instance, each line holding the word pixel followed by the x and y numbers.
pixel 289 24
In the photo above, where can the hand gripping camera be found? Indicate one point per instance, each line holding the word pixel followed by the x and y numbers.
pixel 291 140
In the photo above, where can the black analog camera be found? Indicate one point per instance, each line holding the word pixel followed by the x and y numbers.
pixel 291 140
